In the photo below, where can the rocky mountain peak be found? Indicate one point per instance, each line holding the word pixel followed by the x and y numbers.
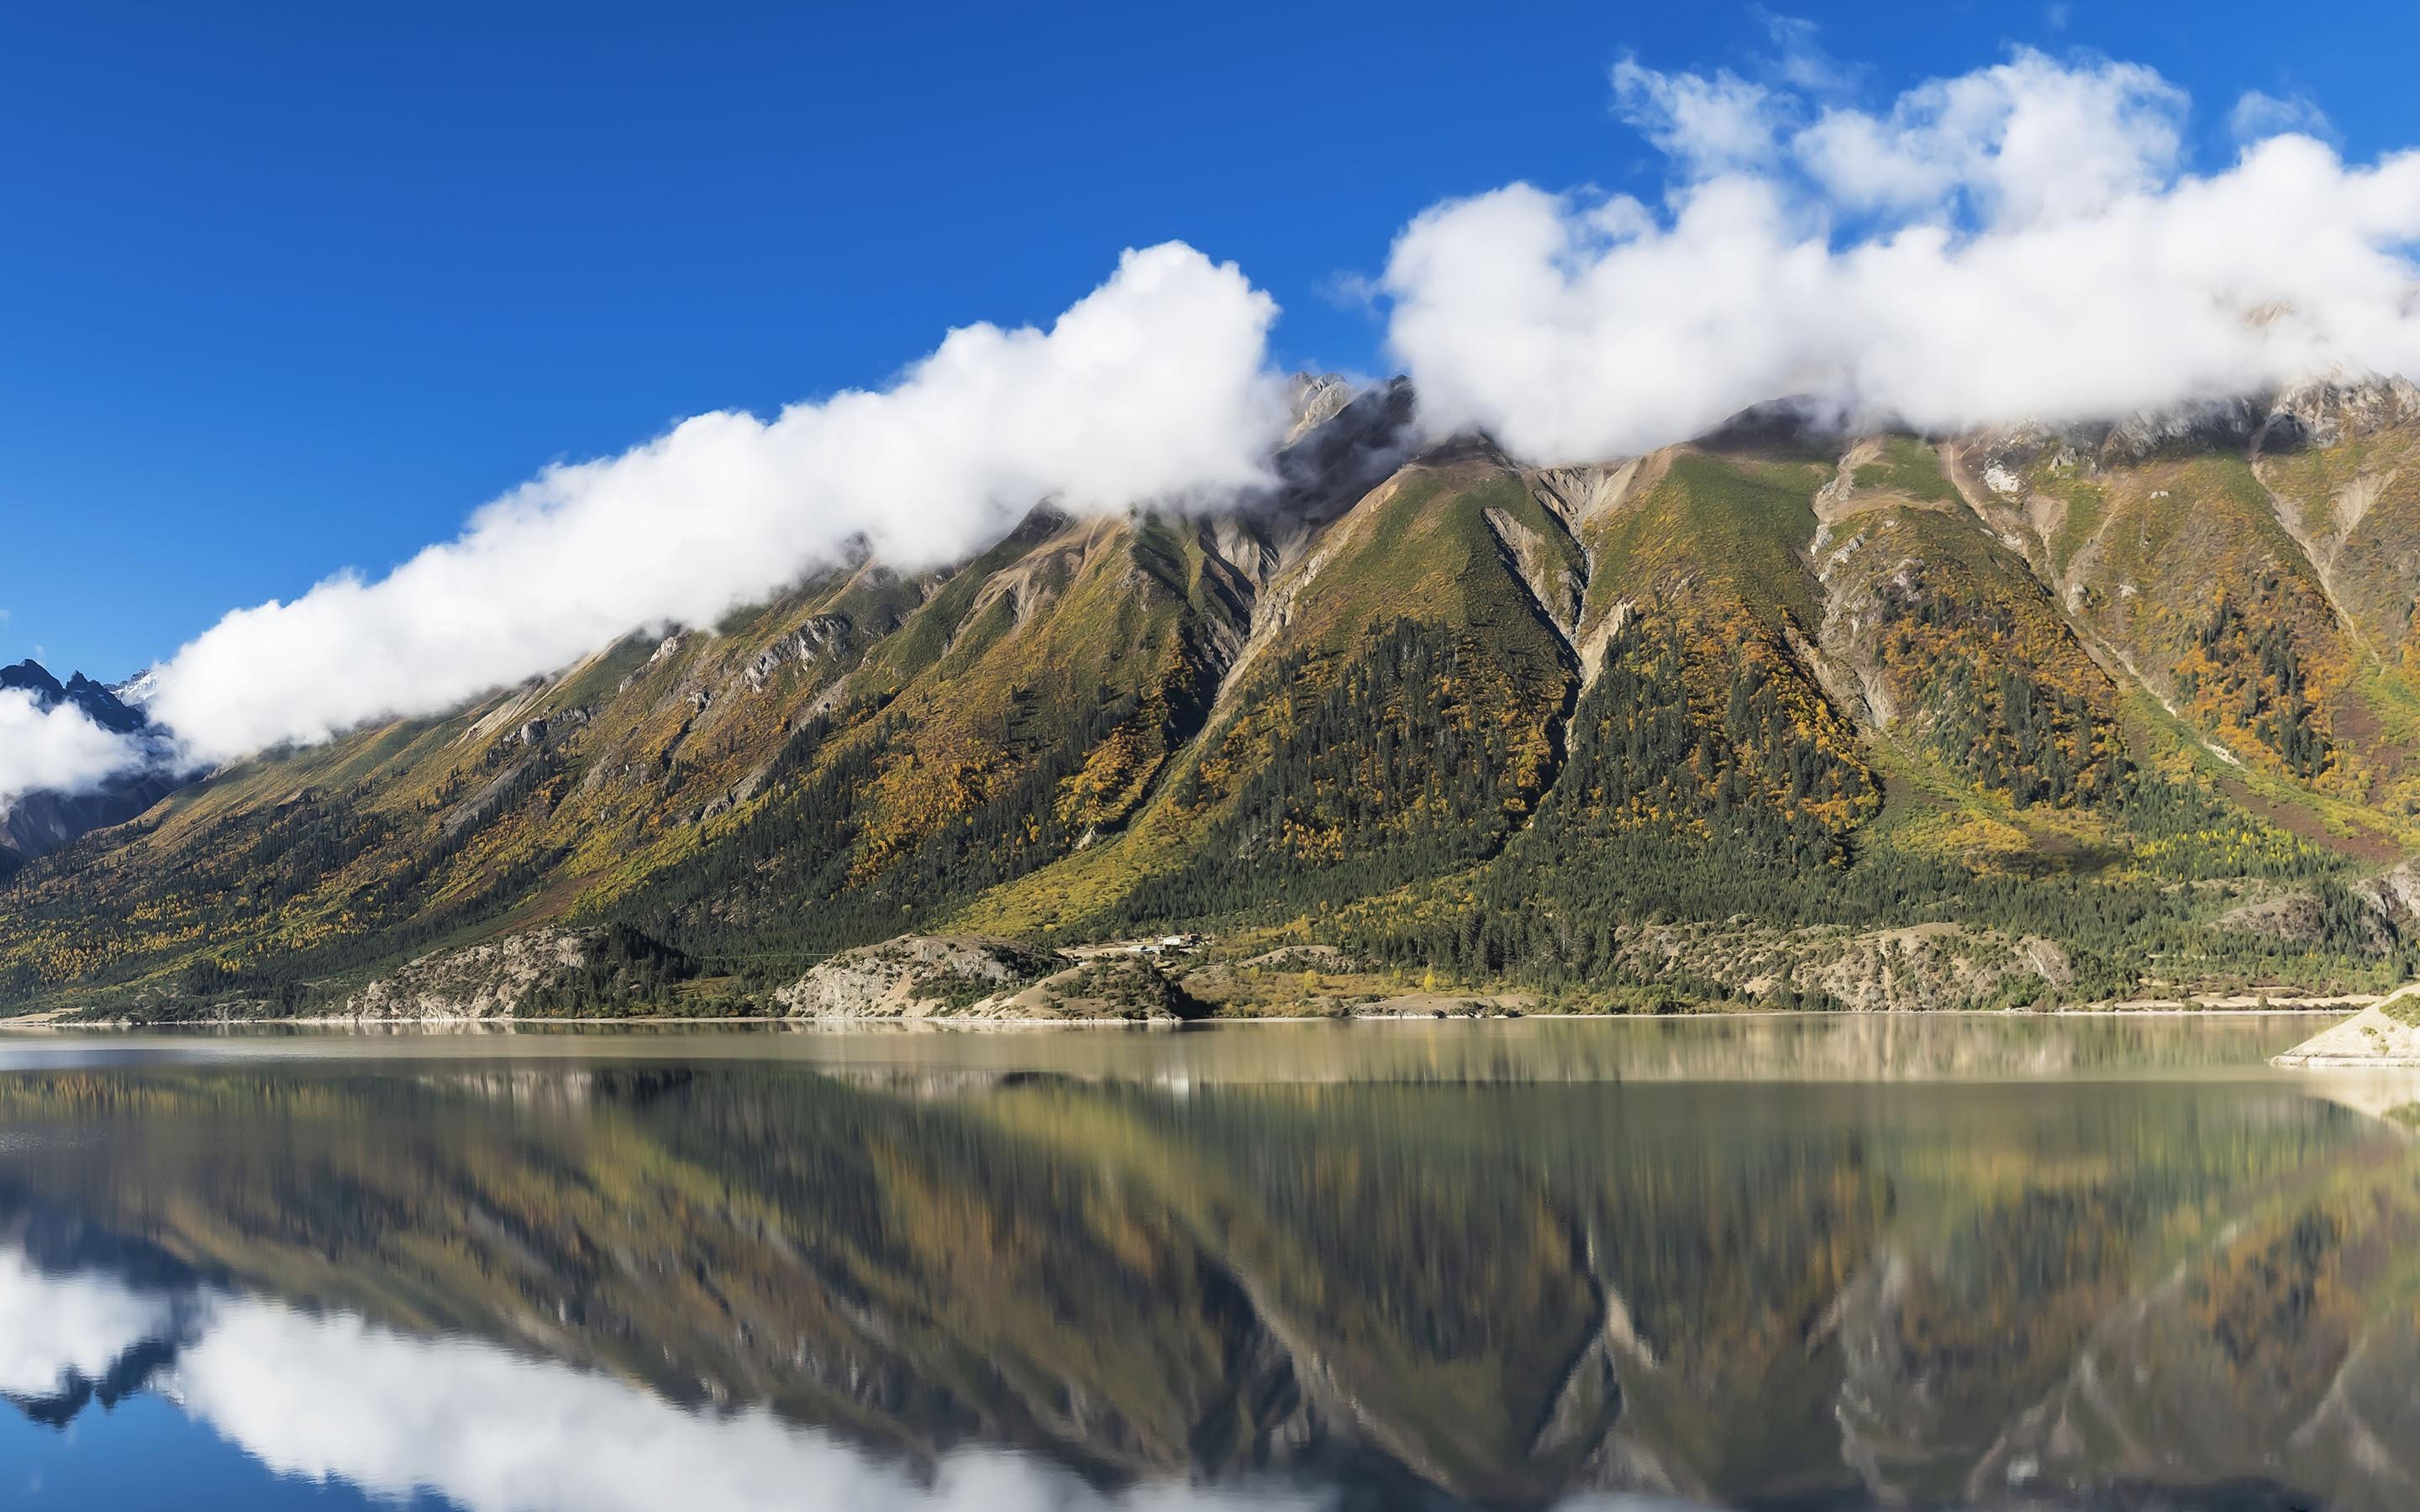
pixel 32 676
pixel 136 690
pixel 97 703
pixel 2324 412
pixel 43 822
pixel 1361 435
pixel 1314 399
pixel 2318 413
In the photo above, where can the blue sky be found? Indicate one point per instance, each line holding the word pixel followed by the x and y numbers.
pixel 294 287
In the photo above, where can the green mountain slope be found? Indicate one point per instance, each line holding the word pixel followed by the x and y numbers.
pixel 1869 720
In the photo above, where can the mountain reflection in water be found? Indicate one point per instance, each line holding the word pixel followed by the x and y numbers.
pixel 621 1283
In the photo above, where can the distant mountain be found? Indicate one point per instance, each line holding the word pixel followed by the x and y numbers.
pixel 1782 716
pixel 43 822
pixel 99 703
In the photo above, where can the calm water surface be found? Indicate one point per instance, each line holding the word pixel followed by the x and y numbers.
pixel 1817 1263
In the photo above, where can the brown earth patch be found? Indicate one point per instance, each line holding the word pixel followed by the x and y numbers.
pixel 2364 846
pixel 2357 726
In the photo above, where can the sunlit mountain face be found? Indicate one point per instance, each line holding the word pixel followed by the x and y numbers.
pixel 551 1283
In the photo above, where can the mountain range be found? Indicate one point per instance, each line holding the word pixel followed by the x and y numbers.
pixel 1783 715
pixel 46 821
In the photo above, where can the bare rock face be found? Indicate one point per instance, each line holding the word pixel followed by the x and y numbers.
pixel 920 976
pixel 2221 424
pixel 1314 400
pixel 2322 412
pixel 1914 968
pixel 1346 443
pixel 971 977
pixel 1553 579
pixel 826 635
pixel 489 980
pixel 2326 411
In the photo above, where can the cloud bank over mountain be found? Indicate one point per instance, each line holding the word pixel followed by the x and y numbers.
pixel 2029 240
pixel 2025 242
pixel 1157 386
pixel 57 748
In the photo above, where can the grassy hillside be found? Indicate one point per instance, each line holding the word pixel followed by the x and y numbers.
pixel 1724 722
pixel 1397 712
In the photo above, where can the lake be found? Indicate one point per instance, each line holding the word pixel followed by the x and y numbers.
pixel 1762 1263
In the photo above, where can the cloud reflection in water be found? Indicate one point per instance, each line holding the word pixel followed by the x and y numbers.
pixel 334 1398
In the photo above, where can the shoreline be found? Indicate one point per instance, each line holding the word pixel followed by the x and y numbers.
pixel 55 1020
pixel 2371 1039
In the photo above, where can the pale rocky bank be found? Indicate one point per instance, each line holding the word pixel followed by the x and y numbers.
pixel 2385 1036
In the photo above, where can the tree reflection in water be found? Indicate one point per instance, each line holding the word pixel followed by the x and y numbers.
pixel 606 1285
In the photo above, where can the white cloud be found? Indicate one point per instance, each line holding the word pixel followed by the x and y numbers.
pixel 56 1329
pixel 2026 240
pixel 335 1397
pixel 2029 140
pixel 1155 386
pixel 2021 242
pixel 1709 124
pixel 1352 292
pixel 329 1396
pixel 1801 60
pixel 2257 116
pixel 1718 122
pixel 55 748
